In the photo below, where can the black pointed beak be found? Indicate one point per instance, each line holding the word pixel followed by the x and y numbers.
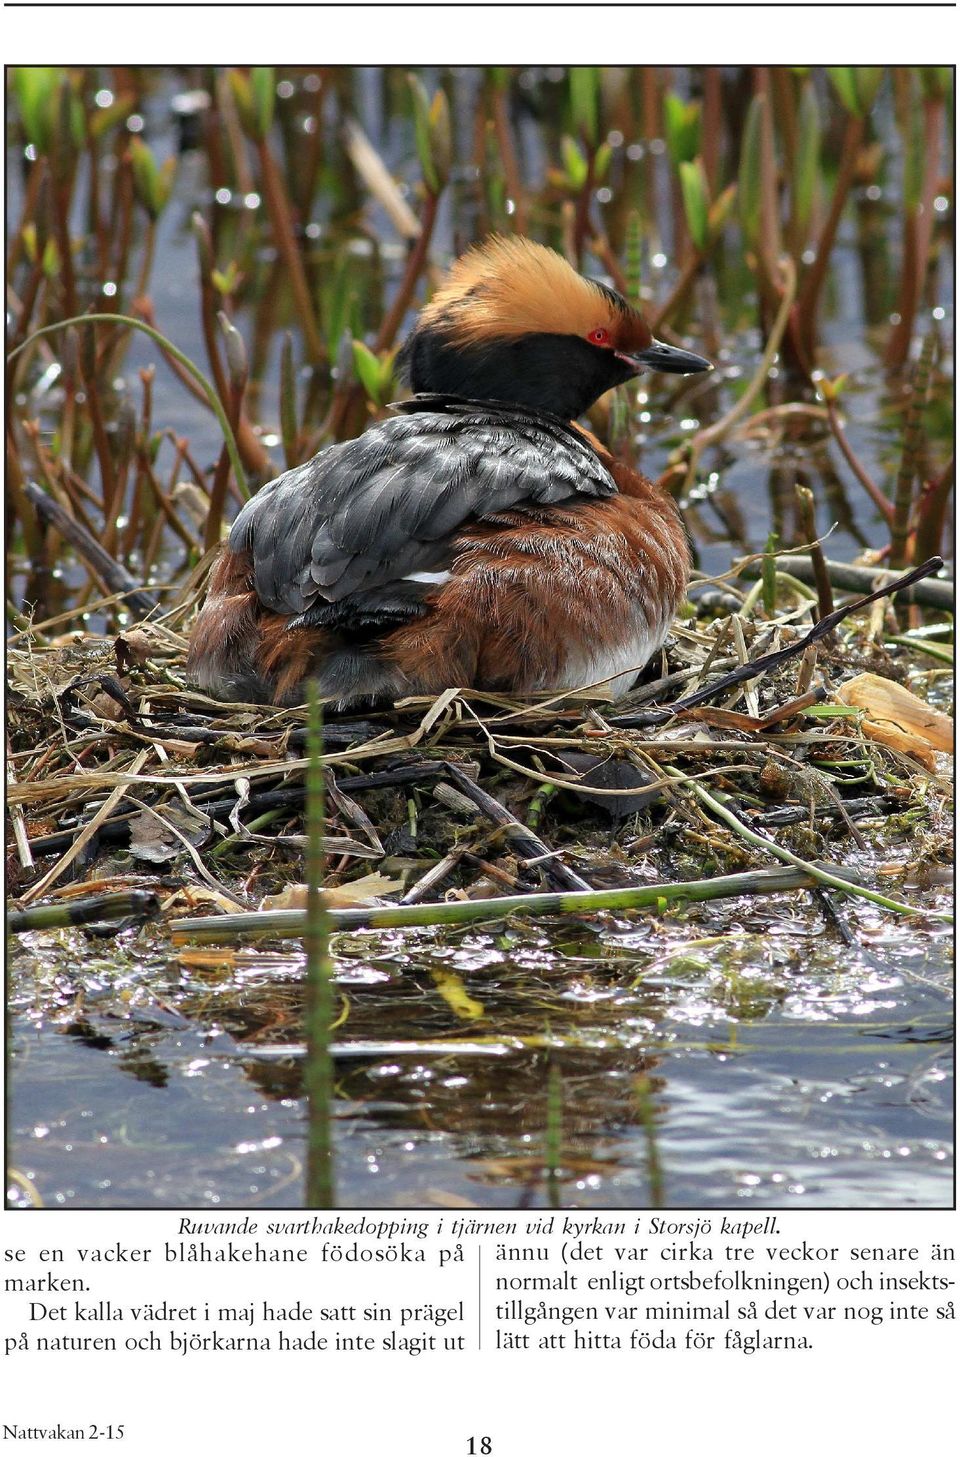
pixel 671 360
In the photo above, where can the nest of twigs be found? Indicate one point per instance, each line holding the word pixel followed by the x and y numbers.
pixel 124 780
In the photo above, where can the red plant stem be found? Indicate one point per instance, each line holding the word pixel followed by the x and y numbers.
pixel 812 282
pixel 602 247
pixel 687 277
pixel 883 505
pixel 61 219
pixel 581 217
pixel 931 512
pixel 167 510
pixel 821 576
pixel 37 172
pixel 415 264
pixel 282 223
pixel 108 476
pixel 218 491
pixel 508 156
pixel 712 121
pixel 769 202
pixel 912 445
pixel 918 230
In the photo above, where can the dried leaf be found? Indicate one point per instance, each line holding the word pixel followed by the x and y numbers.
pixel 152 833
pixel 365 891
pixel 131 647
pixel 893 715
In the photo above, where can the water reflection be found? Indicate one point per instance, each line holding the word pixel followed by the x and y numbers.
pixel 827 1076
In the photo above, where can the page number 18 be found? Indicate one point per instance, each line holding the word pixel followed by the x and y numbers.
pixel 479 1446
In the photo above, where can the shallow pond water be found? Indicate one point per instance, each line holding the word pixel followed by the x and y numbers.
pixel 703 1060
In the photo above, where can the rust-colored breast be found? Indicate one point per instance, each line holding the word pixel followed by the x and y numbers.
pixel 532 597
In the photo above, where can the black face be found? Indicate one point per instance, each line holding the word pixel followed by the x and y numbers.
pixel 558 373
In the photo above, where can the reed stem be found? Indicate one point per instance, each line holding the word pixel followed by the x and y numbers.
pixel 318 1069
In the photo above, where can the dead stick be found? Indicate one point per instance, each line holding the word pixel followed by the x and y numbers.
pixel 759 666
pixel 527 845
pixel 861 579
pixel 113 576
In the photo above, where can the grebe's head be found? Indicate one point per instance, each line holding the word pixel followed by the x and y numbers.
pixel 513 321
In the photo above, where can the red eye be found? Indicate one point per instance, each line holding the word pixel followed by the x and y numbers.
pixel 599 336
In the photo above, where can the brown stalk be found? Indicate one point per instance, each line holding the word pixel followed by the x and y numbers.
pixel 769 201
pixel 112 576
pixel 581 216
pixel 28 212
pixel 281 221
pixel 32 535
pixel 918 231
pixel 912 443
pixel 712 123
pixel 415 264
pixel 685 281
pixel 808 526
pixel 61 194
pixel 931 512
pixel 508 156
pixel 883 505
pixel 812 282
pixel 601 246
pixel 108 476
pixel 218 491
pixel 25 312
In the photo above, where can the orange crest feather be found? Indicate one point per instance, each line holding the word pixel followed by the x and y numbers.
pixel 508 286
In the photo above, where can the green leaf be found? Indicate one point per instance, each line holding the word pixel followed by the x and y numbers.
pixel 869 80
pixel 720 210
pixel 681 121
pixel 36 89
pixel 441 143
pixel 226 281
pixel 575 165
pixel 105 117
pixel 937 81
pixel 807 159
pixel 832 389
pixel 368 368
pixel 857 86
pixel 634 253
pixel 421 126
pixel 152 185
pixel 585 101
pixel 845 85
pixel 263 90
pixel 831 710
pixel 696 202
pixel 69 131
pixel 236 351
pixel 339 303
pixel 601 161
pixel 242 93
pixel 387 379
pixel 456 996
pixel 51 259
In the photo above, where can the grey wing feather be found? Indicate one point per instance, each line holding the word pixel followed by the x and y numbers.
pixel 366 514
